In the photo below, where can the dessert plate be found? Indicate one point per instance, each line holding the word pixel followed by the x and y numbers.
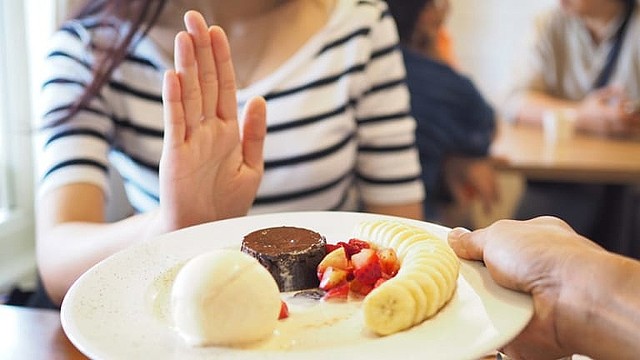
pixel 120 307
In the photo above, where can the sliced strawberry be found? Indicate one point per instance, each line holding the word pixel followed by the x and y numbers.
pixel 330 247
pixel 339 293
pixel 336 259
pixel 332 277
pixel 366 266
pixel 368 274
pixel 389 261
pixel 284 310
pixel 349 249
pixel 379 282
pixel 359 288
pixel 359 244
pixel 363 258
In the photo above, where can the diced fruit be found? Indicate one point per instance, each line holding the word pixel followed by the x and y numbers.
pixel 360 288
pixel 364 257
pixel 359 244
pixel 339 293
pixel 284 311
pixel 333 277
pixel 330 247
pixel 355 268
pixel 348 248
pixel 379 282
pixel 366 266
pixel 336 259
pixel 389 261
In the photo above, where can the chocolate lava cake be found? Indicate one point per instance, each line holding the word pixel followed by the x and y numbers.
pixel 291 255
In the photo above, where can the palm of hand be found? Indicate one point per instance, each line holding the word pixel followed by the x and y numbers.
pixel 207 172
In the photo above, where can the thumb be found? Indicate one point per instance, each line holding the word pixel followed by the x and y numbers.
pixel 466 244
pixel 253 132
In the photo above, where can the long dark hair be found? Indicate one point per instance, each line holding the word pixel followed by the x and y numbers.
pixel 138 16
pixel 405 13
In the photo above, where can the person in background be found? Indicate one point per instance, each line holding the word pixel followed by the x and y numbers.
pixel 325 75
pixel 584 57
pixel 586 300
pixel 455 123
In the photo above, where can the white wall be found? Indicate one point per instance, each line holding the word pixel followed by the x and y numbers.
pixel 488 34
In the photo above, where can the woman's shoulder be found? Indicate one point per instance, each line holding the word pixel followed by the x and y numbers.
pixel 366 20
pixel 86 34
pixel 553 22
pixel 361 11
pixel 423 69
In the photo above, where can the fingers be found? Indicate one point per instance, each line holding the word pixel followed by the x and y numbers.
pixel 227 104
pixel 186 69
pixel 611 93
pixel 174 119
pixel 204 57
pixel 467 245
pixel 254 132
pixel 205 71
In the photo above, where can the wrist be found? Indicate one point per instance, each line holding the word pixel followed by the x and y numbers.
pixel 157 224
pixel 596 315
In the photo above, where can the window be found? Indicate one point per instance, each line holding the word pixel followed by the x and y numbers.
pixel 16 166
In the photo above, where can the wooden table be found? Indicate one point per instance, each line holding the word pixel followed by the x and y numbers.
pixel 582 158
pixel 33 334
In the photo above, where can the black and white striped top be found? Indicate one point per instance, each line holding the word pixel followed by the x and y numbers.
pixel 339 129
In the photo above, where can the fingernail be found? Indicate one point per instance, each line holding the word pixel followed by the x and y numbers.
pixel 457 232
pixel 454 241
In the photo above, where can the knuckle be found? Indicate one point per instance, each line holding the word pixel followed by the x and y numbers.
pixel 191 93
pixel 209 77
pixel 228 85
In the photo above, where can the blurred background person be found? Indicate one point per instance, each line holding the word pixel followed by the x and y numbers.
pixel 584 57
pixel 455 123
pixel 339 132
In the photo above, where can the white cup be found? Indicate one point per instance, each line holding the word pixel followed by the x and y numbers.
pixel 559 124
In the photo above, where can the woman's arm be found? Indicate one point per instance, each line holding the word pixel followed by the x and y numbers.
pixel 605 111
pixel 72 235
pixel 586 300
pixel 600 307
pixel 534 104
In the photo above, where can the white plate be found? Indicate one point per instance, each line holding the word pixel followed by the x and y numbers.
pixel 119 308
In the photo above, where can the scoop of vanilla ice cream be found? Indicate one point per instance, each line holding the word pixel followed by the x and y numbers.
pixel 224 297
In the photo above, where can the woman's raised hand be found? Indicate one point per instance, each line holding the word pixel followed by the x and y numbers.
pixel 208 171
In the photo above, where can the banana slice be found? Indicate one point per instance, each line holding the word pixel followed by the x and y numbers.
pixel 430 292
pixel 425 282
pixel 444 290
pixel 389 308
pixel 415 287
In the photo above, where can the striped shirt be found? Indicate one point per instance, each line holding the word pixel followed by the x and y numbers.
pixel 339 132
